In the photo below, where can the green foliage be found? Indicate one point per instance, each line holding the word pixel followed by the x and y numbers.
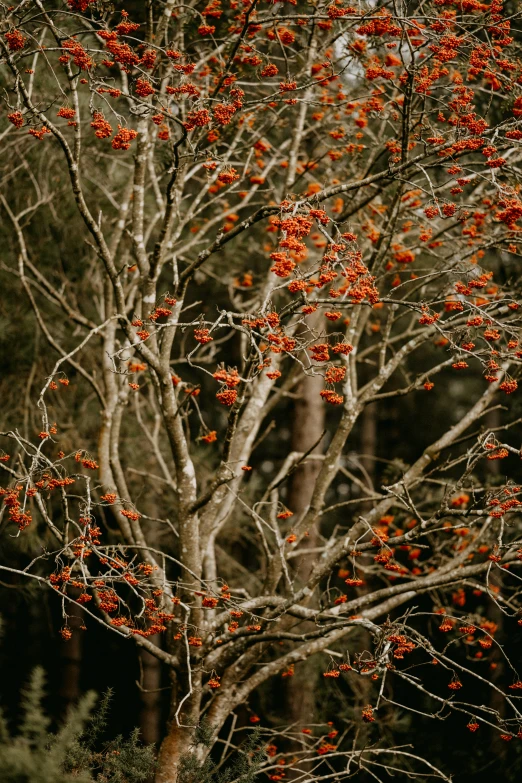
pixel 204 734
pixel 243 768
pixel 72 754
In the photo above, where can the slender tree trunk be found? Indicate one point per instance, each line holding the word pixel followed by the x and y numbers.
pixel 367 451
pixel 307 428
pixel 150 696
pixel 71 653
pixel 496 702
pixel 368 442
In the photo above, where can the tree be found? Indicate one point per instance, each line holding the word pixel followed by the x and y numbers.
pixel 240 199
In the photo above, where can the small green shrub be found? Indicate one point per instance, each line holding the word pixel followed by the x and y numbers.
pixel 74 754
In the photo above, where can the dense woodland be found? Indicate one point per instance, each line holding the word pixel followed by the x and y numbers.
pixel 260 440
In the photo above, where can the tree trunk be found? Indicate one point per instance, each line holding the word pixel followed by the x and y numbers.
pixel 179 740
pixel 150 696
pixel 307 428
pixel 362 686
pixel 173 747
pixel 496 702
pixel 71 653
pixel 368 442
